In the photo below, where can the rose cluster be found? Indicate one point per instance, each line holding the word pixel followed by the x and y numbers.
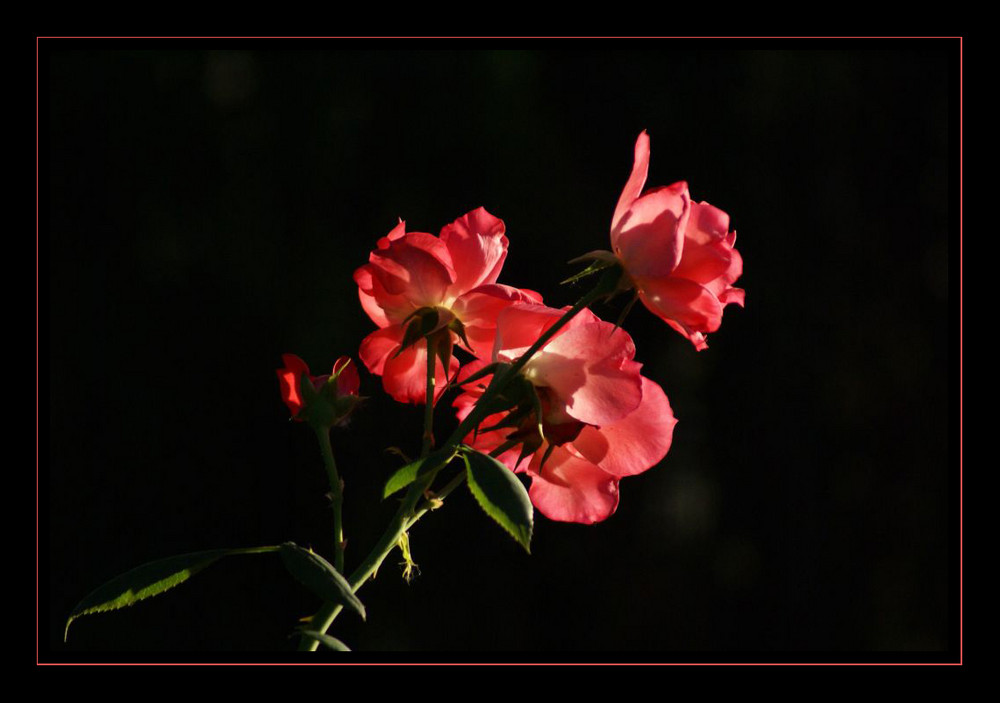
pixel 581 416
pixel 555 395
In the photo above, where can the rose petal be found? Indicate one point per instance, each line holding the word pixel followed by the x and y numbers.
pixel 416 266
pixel 519 326
pixel 478 248
pixel 733 295
pixel 397 232
pixel 377 347
pixel 590 370
pixel 384 309
pixel 294 364
pixel 479 310
pixel 708 249
pixel 690 304
pixel 635 443
pixel 348 381
pixel 636 180
pixel 289 380
pixel 651 241
pixel 571 489
pixel 722 286
pixel 707 224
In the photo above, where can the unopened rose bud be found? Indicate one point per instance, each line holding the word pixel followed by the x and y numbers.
pixel 322 401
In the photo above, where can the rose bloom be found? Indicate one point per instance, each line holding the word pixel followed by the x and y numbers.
pixel 290 381
pixel 678 253
pixel 602 420
pixel 455 274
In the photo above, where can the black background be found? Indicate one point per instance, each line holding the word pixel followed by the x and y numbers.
pixel 203 205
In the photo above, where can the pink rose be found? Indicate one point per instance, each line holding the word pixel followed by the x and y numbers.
pixel 455 275
pixel 678 253
pixel 602 420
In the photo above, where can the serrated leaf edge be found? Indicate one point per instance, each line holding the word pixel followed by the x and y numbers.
pixel 172 580
pixel 480 498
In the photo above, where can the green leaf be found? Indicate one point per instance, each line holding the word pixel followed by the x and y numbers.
pixel 318 575
pixel 146 581
pixel 501 494
pixel 327 641
pixel 406 475
pixel 402 477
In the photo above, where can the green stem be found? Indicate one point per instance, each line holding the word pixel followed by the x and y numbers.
pixel 408 514
pixel 336 497
pixel 438 496
pixel 429 404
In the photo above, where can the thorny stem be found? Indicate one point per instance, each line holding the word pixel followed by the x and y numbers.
pixel 429 406
pixel 336 497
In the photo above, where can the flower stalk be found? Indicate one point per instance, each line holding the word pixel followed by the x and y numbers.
pixel 336 496
pixel 428 440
